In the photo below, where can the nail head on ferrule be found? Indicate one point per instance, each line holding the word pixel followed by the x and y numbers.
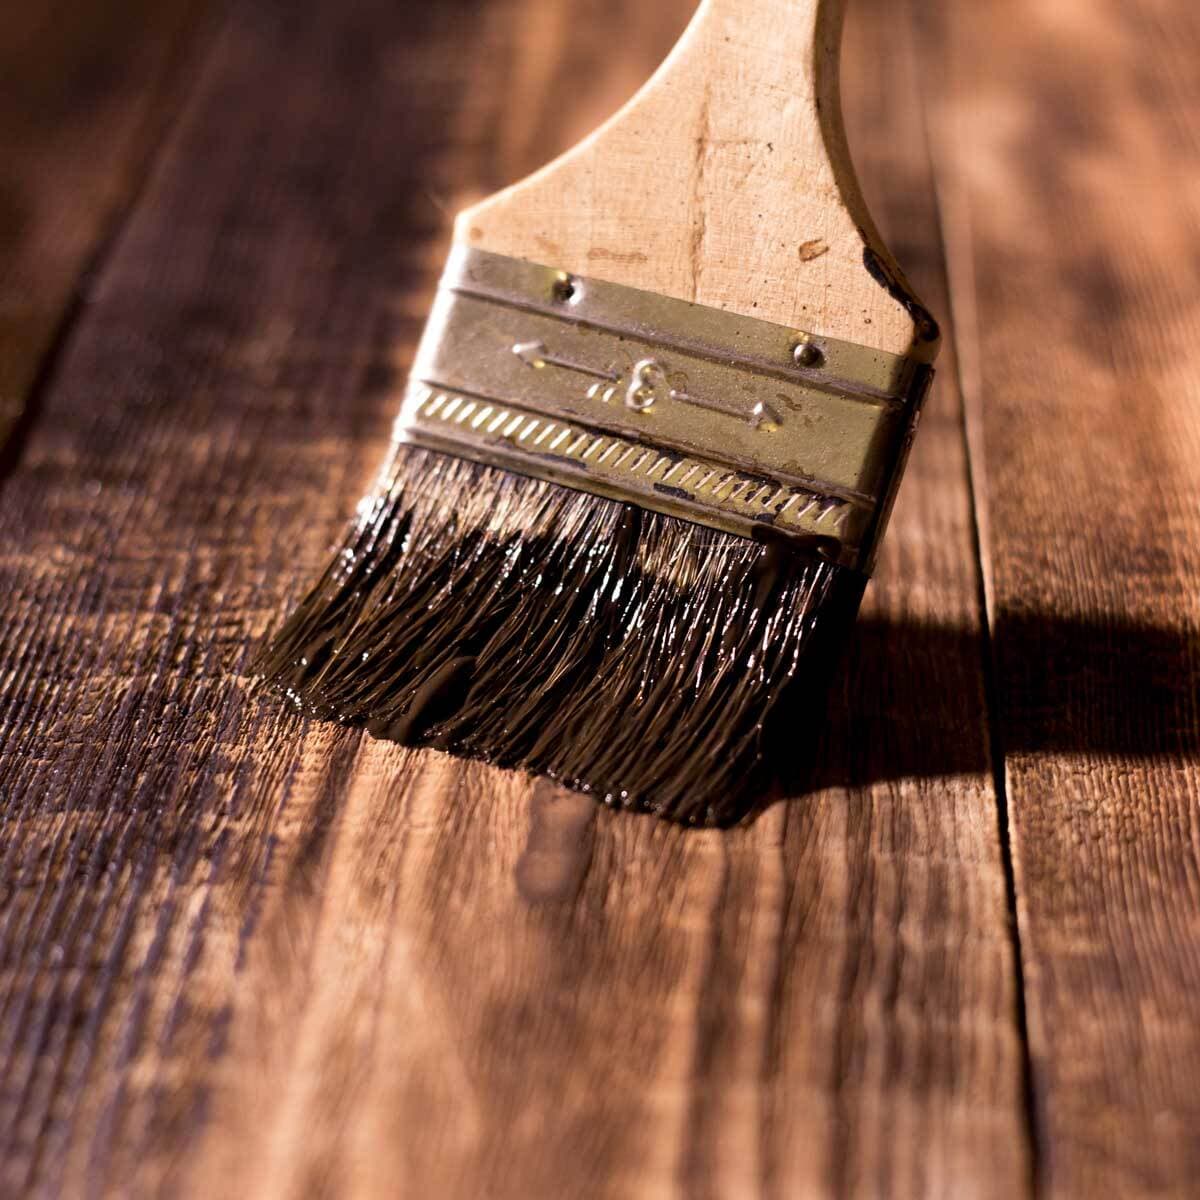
pixel 565 289
pixel 808 354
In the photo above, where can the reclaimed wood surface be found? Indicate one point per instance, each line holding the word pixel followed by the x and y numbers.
pixel 245 954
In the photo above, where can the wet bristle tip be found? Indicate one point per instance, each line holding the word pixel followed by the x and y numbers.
pixel 658 665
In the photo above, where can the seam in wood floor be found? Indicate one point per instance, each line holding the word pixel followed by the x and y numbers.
pixel 997 753
pixel 991 691
pixel 996 750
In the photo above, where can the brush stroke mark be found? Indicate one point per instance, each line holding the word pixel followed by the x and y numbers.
pixel 559 850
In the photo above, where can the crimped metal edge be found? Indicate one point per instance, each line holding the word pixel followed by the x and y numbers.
pixel 726 421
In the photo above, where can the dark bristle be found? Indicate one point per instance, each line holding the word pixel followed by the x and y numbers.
pixel 653 663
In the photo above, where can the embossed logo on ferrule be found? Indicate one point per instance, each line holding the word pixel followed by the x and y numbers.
pixel 647 383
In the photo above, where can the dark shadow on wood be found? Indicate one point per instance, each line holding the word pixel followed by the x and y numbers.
pixel 908 701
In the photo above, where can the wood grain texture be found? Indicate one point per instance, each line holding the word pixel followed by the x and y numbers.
pixel 86 91
pixel 1068 157
pixel 725 181
pixel 242 954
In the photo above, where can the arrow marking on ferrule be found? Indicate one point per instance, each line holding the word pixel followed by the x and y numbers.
pixel 534 354
pixel 760 415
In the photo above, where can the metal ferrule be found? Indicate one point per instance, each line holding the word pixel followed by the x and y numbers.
pixel 726 421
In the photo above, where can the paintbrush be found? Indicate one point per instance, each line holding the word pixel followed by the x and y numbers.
pixel 648 447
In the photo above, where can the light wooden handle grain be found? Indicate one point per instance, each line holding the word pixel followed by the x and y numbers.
pixel 727 181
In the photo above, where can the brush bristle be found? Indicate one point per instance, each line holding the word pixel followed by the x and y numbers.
pixel 648 661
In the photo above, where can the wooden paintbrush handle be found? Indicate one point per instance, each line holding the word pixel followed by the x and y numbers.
pixel 726 181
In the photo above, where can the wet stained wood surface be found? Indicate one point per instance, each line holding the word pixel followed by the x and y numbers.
pixel 246 954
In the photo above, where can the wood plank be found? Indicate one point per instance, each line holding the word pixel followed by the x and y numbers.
pixel 243 954
pixel 1068 160
pixel 85 93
